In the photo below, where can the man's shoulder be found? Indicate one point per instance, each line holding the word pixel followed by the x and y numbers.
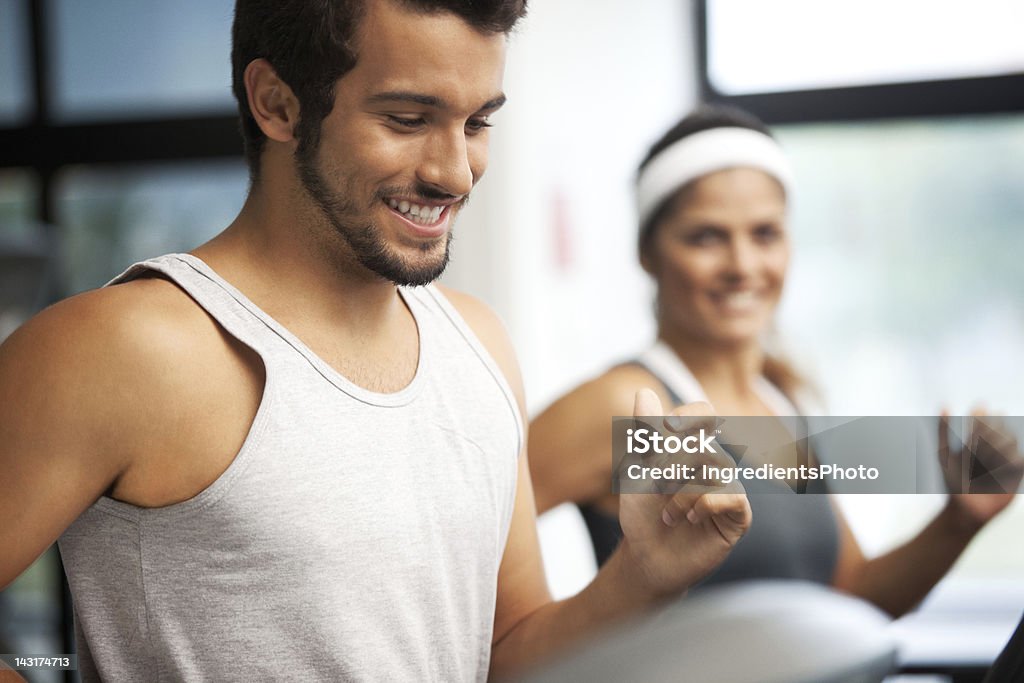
pixel 491 331
pixel 116 336
pixel 480 317
pixel 473 310
pixel 97 379
pixel 147 315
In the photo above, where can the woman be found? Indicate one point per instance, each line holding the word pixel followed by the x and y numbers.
pixel 712 197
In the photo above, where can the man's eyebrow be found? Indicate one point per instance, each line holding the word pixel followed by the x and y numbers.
pixel 428 100
pixel 404 96
pixel 496 103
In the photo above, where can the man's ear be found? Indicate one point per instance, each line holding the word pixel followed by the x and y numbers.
pixel 271 101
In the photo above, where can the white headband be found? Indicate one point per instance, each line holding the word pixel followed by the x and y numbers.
pixel 701 153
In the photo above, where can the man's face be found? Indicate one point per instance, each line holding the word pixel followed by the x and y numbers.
pixel 406 140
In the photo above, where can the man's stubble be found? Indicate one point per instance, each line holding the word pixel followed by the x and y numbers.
pixel 363 238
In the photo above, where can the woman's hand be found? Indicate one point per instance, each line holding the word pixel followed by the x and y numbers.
pixel 983 475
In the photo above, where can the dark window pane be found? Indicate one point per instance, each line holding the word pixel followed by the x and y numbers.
pixel 30 615
pixel 23 252
pixel 18 194
pixel 15 76
pixel 110 218
pixel 127 59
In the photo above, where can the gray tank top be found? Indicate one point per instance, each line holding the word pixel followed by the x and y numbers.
pixel 355 536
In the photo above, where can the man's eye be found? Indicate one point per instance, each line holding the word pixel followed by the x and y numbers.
pixel 478 124
pixel 406 122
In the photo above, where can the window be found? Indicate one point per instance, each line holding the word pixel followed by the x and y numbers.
pixel 15 84
pixel 110 218
pixel 30 615
pixel 18 195
pixel 905 291
pixel 906 266
pixel 801 60
pixel 784 45
pixel 124 59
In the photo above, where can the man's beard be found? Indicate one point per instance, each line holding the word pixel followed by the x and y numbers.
pixel 365 241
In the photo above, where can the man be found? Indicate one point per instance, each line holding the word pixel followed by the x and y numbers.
pixel 276 457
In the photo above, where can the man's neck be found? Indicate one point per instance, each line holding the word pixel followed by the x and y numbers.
pixel 298 270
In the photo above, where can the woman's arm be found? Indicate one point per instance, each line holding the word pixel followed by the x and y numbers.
pixel 898 580
pixel 901 578
pixel 571 441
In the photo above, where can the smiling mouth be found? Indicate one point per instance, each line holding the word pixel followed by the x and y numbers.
pixel 738 302
pixel 420 214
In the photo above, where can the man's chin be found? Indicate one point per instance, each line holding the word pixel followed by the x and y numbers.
pixel 426 269
pixel 418 278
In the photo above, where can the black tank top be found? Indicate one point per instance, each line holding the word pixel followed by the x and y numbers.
pixel 790 537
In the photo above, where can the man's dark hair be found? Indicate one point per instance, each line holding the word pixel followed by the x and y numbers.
pixel 312 43
pixel 705 117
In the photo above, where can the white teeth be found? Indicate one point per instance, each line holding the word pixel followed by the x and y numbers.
pixel 423 215
pixel 737 300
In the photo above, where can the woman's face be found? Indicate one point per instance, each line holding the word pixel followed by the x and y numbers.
pixel 720 256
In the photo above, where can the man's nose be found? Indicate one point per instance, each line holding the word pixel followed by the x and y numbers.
pixel 446 165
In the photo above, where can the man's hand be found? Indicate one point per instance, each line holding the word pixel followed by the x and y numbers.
pixel 674 540
pixel 983 475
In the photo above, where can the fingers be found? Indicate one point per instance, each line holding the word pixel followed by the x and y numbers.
pixel 699 418
pixel 997 452
pixel 695 504
pixel 691 417
pixel 944 438
pixel 695 409
pixel 976 428
pixel 646 404
pixel 951 461
pixel 729 512
pixel 680 507
pixel 994 434
pixel 989 459
pixel 992 442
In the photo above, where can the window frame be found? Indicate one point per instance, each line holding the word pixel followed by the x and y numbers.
pixel 921 99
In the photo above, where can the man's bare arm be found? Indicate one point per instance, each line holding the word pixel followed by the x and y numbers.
pixel 131 389
pixel 58 426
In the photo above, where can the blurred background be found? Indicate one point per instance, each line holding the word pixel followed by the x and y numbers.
pixel 905 123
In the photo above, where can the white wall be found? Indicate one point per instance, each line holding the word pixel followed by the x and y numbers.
pixel 591 84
